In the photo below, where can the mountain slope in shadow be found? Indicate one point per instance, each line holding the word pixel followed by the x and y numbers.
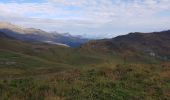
pixel 154 44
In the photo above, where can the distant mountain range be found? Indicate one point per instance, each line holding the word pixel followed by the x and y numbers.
pixel 37 35
pixel 154 44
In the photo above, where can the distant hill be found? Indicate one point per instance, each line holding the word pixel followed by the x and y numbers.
pixel 37 35
pixel 3 35
pixel 154 44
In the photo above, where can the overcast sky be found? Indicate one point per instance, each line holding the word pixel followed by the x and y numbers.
pixel 90 18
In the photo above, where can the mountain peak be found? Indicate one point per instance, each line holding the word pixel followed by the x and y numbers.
pixel 9 25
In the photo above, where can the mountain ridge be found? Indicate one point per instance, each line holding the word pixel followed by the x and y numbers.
pixel 38 35
pixel 154 44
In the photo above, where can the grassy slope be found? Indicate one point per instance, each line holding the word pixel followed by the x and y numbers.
pixel 47 52
pixel 47 72
pixel 29 56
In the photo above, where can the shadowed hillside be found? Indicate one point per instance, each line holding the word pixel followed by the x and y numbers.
pixel 153 44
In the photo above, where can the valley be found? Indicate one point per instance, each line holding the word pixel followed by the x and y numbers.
pixel 42 71
pixel 84 50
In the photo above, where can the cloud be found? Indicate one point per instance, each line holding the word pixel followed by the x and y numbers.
pixel 93 17
pixel 70 2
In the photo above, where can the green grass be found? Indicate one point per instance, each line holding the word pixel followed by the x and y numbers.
pixel 124 82
pixel 47 72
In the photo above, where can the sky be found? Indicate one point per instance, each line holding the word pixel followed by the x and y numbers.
pixel 89 18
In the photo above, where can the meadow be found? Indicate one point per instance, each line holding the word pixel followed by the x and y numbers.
pixel 48 72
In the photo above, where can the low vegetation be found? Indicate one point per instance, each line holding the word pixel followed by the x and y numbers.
pixel 122 82
pixel 48 72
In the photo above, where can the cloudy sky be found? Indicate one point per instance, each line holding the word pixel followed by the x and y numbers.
pixel 90 18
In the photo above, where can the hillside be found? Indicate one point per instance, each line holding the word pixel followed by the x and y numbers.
pixel 41 71
pixel 3 35
pixel 153 44
pixel 37 35
pixel 50 52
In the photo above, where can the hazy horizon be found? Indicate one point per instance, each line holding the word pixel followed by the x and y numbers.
pixel 92 19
